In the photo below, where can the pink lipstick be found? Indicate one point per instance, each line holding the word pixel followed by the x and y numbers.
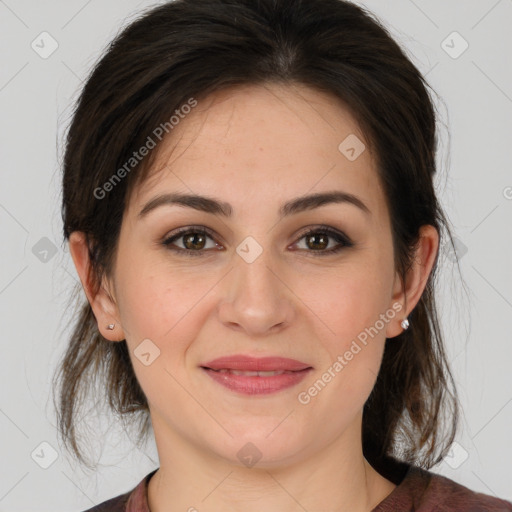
pixel 253 376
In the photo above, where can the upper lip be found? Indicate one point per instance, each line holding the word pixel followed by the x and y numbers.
pixel 249 363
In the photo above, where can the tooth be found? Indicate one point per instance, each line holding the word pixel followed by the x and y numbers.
pixel 253 373
pixel 256 373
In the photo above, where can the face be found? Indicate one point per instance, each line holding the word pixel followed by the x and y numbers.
pixel 312 281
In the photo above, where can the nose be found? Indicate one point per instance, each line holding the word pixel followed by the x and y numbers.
pixel 255 298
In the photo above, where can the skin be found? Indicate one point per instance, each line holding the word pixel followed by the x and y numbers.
pixel 255 148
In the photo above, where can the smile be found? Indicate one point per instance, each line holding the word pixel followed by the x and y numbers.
pixel 256 382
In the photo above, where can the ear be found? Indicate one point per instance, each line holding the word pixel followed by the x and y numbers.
pixel 101 300
pixel 409 293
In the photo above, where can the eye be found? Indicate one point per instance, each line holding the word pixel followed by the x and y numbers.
pixel 194 240
pixel 318 239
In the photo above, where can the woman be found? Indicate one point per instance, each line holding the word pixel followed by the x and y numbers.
pixel 248 198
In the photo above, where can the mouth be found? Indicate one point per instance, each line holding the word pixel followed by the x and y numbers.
pixel 249 373
pixel 246 363
pixel 254 376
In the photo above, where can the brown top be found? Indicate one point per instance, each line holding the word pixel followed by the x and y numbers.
pixel 418 491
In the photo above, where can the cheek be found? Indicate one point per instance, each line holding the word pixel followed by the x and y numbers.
pixel 162 307
pixel 352 347
pixel 152 296
pixel 165 306
pixel 353 306
pixel 348 301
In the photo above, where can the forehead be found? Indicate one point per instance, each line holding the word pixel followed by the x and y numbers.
pixel 271 142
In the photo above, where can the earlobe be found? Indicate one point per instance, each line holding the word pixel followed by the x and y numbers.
pixel 409 293
pixel 398 304
pixel 102 303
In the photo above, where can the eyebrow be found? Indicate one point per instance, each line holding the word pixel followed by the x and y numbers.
pixel 217 207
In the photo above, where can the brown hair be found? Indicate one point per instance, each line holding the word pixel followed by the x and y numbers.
pixel 190 48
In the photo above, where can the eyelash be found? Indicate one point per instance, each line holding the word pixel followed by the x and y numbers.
pixel 339 237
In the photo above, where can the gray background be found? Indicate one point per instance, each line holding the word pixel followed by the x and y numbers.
pixel 475 186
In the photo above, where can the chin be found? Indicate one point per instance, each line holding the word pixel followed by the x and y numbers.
pixel 263 446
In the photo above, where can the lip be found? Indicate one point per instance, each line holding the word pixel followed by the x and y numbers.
pixel 248 363
pixel 293 372
pixel 257 385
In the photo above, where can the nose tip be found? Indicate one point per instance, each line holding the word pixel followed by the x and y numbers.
pixel 256 301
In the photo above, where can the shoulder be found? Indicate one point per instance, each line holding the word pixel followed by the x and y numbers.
pixel 135 500
pixel 432 491
pixel 117 504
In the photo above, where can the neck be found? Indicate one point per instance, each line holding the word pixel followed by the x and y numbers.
pixel 338 478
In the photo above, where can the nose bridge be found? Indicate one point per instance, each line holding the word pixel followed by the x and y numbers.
pixel 256 299
pixel 254 276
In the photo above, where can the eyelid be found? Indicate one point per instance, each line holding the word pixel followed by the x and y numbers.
pixel 334 233
pixel 180 232
pixel 324 228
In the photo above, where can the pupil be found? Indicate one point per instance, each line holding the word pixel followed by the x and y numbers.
pixel 191 237
pixel 324 243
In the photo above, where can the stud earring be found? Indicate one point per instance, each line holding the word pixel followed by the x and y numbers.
pixel 404 324
pixel 110 327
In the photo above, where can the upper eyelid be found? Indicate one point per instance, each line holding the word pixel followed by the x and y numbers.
pixel 331 232
pixel 190 229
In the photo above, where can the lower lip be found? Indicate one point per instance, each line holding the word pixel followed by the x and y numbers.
pixel 257 385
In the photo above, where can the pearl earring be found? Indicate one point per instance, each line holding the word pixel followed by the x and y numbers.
pixel 110 327
pixel 404 324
